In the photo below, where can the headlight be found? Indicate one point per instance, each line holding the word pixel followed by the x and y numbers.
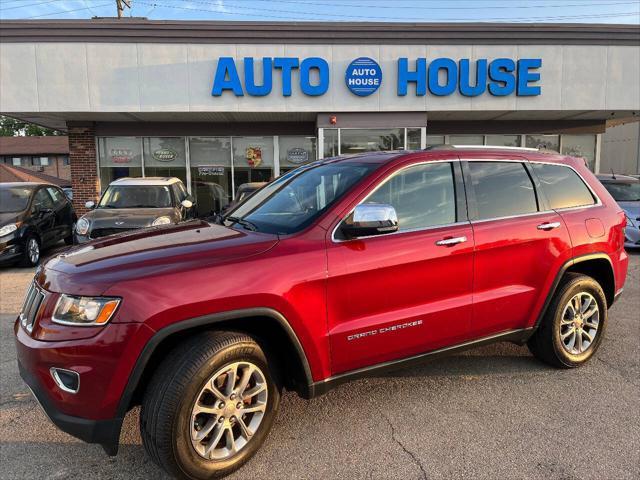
pixel 7 229
pixel 84 311
pixel 82 227
pixel 164 220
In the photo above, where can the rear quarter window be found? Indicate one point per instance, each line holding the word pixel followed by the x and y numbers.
pixel 562 186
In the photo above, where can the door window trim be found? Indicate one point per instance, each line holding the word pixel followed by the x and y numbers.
pixel 460 200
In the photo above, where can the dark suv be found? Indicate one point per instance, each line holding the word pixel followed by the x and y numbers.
pixel 336 270
pixel 33 216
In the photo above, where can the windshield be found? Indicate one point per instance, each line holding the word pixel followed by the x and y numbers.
pixel 295 200
pixel 624 192
pixel 14 199
pixel 136 196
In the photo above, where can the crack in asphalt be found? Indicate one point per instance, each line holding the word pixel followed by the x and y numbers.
pixel 415 459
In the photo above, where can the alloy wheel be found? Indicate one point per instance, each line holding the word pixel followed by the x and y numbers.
pixel 33 250
pixel 579 323
pixel 228 410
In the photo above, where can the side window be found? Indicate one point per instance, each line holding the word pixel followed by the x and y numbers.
pixel 563 187
pixel 42 201
pixel 57 195
pixel 423 196
pixel 180 191
pixel 502 189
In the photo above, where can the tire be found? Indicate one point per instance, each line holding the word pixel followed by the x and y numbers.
pixel 29 257
pixel 166 421
pixel 555 342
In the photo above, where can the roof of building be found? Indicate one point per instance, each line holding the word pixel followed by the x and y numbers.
pixel 141 30
pixel 55 144
pixel 146 181
pixel 10 173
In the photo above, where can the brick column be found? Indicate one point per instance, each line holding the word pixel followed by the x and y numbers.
pixel 84 165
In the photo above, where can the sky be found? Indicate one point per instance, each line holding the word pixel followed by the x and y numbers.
pixel 537 11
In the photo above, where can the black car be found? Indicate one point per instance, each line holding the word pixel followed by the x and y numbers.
pixel 33 216
pixel 133 203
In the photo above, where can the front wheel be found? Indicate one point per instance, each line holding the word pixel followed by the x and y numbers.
pixel 31 255
pixel 573 326
pixel 209 406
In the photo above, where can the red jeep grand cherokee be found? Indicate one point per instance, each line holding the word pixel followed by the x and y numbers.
pixel 335 270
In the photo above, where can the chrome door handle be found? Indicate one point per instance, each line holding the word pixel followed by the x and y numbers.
pixel 447 242
pixel 548 226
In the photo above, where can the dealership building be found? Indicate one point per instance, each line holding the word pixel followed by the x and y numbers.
pixel 220 104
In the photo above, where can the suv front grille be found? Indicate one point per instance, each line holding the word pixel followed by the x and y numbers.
pixel 31 306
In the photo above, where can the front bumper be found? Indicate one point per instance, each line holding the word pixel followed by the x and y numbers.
pixel 104 432
pixel 10 250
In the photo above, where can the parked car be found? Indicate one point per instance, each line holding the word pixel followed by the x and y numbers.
pixel 132 203
pixel 625 189
pixel 68 191
pixel 343 268
pixel 33 217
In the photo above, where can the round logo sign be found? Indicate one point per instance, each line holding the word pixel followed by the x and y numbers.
pixel 165 155
pixel 297 155
pixel 363 76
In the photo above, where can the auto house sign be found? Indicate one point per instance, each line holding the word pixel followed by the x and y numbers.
pixel 165 155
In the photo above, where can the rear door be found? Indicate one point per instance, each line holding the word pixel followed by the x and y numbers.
pixel 43 214
pixel 401 294
pixel 519 243
pixel 63 213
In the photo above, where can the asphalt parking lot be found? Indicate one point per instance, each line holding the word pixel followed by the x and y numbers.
pixel 493 412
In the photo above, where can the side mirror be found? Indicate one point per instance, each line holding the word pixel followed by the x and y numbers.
pixel 90 204
pixel 186 203
pixel 370 219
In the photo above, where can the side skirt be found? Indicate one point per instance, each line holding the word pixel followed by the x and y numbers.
pixel 320 388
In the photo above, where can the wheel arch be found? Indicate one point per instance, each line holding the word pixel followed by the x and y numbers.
pixel 270 329
pixel 596 265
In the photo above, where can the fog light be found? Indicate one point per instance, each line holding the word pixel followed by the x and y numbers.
pixel 67 380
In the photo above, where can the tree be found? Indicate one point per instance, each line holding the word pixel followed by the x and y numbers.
pixel 10 127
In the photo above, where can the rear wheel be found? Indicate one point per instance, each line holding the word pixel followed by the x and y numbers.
pixel 209 406
pixel 573 326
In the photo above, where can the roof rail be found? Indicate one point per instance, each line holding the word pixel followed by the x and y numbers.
pixel 484 147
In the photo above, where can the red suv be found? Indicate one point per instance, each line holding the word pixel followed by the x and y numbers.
pixel 336 270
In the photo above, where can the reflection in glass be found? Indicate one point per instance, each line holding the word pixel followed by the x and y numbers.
pixel 413 138
pixel 466 139
pixel 119 157
pixel 210 159
pixel 370 140
pixel 544 142
pixel 582 146
pixel 330 142
pixel 435 140
pixel 504 140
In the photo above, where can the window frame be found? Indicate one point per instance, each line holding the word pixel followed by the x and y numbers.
pixel 461 205
pixel 541 199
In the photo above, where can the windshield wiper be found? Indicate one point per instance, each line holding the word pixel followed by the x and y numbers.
pixel 245 223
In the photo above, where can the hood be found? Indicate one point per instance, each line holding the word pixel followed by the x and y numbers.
pixel 10 217
pixel 632 209
pixel 126 217
pixel 157 250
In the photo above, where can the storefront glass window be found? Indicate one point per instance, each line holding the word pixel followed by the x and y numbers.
pixel 583 146
pixel 210 173
pixel 545 142
pixel 466 139
pixel 504 140
pixel 435 140
pixel 413 138
pixel 119 157
pixel 165 157
pixel 252 160
pixel 295 151
pixel 370 140
pixel 330 142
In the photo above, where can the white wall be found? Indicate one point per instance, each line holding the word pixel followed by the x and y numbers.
pixel 124 77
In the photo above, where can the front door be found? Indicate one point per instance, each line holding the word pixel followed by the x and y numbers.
pixel 44 216
pixel 402 294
